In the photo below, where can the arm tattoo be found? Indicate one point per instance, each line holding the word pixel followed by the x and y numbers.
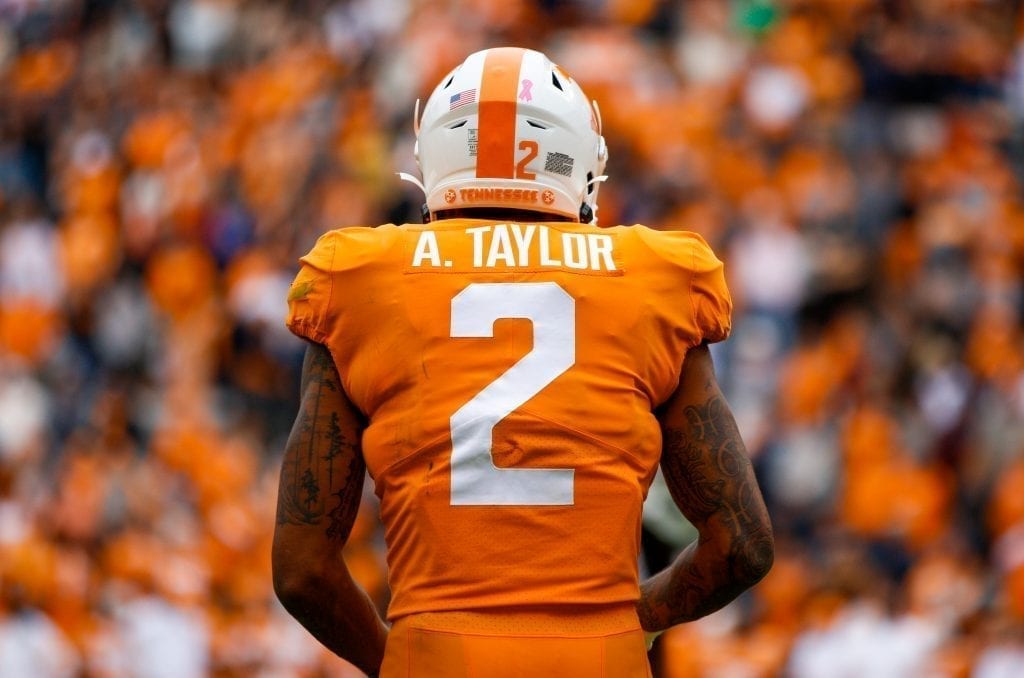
pixel 713 477
pixel 343 515
pixel 710 477
pixel 322 471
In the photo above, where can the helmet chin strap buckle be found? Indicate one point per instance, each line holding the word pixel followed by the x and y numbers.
pixel 425 213
pixel 586 213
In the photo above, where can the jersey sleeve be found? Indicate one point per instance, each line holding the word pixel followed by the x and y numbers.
pixel 309 297
pixel 709 295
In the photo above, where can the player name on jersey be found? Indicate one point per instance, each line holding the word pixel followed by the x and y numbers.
pixel 523 246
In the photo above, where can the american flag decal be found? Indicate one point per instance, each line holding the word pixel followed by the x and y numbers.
pixel 461 99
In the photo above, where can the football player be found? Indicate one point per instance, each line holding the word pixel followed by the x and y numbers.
pixel 511 376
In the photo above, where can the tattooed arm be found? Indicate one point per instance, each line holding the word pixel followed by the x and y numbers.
pixel 707 471
pixel 318 497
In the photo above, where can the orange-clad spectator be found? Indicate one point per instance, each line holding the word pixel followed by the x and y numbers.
pixel 1013 590
pixel 29 571
pixel 1008 558
pixel 184 446
pixel 738 169
pixel 91 178
pixel 995 348
pixel 946 584
pixel 816 181
pixel 282 85
pixel 43 70
pixel 227 470
pixel 886 494
pixel 1006 507
pixel 181 279
pixel 834 79
pixel 361 146
pixel 705 217
pixel 631 13
pixel 870 438
pixel 903 255
pixel 31 288
pixel 90 250
pixel 808 382
pixel 81 495
pixel 132 557
pixel 785 591
pixel 800 41
pixel 273 164
pixel 29 330
pixel 151 137
pixel 73 594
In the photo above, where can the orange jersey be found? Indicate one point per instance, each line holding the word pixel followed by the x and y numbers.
pixel 508 372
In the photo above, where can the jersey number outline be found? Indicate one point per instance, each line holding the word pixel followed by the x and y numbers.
pixel 475 479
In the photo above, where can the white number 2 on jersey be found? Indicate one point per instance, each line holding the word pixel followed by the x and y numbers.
pixel 476 481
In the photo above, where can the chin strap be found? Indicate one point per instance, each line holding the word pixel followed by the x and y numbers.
pixel 588 213
pixel 424 211
pixel 405 176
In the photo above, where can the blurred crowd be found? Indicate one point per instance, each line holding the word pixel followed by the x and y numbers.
pixel 858 164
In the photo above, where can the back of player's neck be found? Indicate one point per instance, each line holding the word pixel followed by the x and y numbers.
pixel 499 214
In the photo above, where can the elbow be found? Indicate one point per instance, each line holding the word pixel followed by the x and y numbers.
pixel 298 591
pixel 292 588
pixel 752 556
pixel 295 583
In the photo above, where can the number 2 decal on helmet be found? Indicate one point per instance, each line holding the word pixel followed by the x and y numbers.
pixel 531 149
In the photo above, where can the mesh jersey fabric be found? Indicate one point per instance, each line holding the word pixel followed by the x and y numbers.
pixel 630 302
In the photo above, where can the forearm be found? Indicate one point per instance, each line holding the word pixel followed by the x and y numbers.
pixel 339 613
pixel 702 579
pixel 734 552
pixel 321 486
pixel 709 474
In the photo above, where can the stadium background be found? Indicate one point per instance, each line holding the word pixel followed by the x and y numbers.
pixel 858 164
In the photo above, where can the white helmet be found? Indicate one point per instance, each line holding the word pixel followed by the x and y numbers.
pixel 508 128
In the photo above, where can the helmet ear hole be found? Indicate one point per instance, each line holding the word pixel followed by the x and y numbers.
pixel 590 183
pixel 555 82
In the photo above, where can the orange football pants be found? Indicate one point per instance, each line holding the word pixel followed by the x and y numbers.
pixel 607 643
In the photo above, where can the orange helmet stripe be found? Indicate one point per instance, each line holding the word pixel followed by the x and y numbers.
pixel 497 113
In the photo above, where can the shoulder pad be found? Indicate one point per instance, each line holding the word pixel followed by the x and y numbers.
pixel 347 248
pixel 683 248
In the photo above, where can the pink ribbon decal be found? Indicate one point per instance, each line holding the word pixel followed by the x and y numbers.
pixel 525 94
